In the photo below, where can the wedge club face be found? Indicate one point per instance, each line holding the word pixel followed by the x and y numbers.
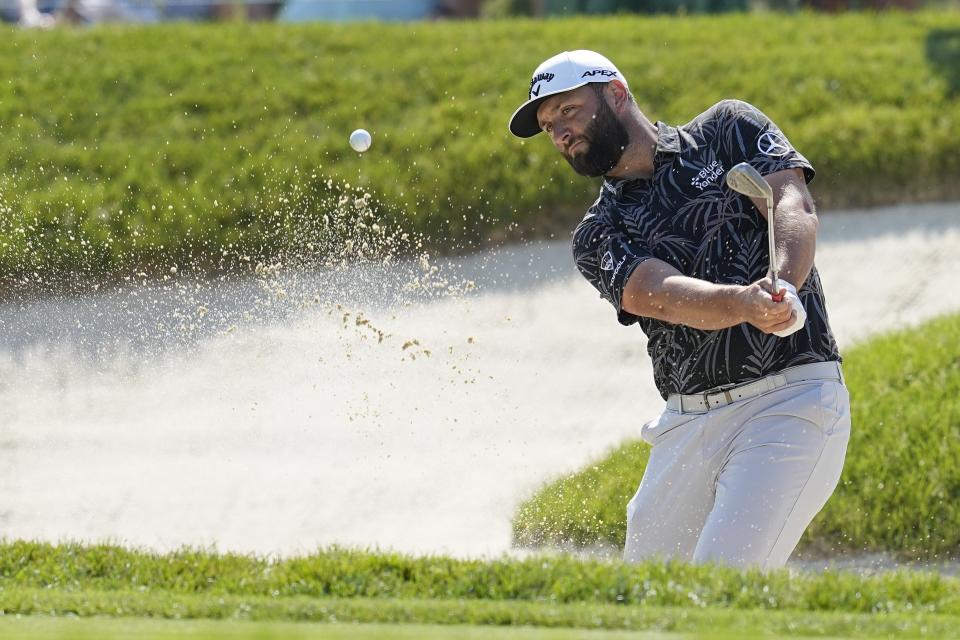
pixel 748 181
pixel 743 178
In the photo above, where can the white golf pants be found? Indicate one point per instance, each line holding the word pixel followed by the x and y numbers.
pixel 739 484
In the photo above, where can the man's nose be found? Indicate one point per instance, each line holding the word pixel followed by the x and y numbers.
pixel 561 136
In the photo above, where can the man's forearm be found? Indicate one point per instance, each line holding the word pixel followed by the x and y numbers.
pixel 701 304
pixel 796 235
pixel 657 290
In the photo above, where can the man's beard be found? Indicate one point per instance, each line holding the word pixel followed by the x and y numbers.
pixel 606 139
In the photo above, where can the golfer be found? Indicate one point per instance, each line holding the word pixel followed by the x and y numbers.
pixel 752 439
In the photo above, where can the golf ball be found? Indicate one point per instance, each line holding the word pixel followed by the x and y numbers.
pixel 360 140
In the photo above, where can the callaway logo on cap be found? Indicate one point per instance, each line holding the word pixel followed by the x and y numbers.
pixel 562 72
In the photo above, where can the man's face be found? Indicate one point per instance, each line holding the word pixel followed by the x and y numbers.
pixel 584 129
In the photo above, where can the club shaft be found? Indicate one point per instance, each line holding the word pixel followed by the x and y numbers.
pixel 774 271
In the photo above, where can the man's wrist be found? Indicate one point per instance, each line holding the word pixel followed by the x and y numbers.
pixel 731 296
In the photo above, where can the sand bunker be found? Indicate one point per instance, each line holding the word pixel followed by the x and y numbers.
pixel 413 423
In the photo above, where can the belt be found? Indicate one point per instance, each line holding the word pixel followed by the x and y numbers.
pixel 714 398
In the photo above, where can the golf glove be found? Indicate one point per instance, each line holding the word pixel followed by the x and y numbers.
pixel 791 296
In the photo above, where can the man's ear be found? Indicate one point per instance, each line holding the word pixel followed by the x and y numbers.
pixel 619 93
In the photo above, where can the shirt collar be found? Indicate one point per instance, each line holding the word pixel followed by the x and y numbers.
pixel 668 143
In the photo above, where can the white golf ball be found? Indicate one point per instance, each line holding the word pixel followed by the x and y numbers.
pixel 360 140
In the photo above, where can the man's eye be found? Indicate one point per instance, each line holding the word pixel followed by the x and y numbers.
pixel 567 110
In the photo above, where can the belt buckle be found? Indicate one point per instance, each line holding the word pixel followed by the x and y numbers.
pixel 727 398
pixel 706 400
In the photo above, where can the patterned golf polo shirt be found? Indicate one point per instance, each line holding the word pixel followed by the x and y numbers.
pixel 686 216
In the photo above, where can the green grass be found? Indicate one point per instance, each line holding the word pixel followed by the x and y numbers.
pixel 36 628
pixel 203 144
pixel 426 620
pixel 899 489
pixel 88 581
pixel 28 568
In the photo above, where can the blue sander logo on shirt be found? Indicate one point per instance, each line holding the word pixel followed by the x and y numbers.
pixel 708 175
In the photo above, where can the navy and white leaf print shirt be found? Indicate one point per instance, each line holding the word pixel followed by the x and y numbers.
pixel 685 215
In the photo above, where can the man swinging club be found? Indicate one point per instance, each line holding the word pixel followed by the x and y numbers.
pixel 752 439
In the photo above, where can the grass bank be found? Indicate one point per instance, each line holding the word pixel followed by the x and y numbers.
pixel 900 481
pixel 337 573
pixel 208 144
pixel 558 591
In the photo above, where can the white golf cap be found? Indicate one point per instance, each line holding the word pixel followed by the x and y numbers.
pixel 562 72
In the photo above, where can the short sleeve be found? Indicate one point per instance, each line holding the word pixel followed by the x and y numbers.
pixel 750 136
pixel 606 258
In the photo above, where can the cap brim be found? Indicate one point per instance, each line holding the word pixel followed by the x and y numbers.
pixel 523 122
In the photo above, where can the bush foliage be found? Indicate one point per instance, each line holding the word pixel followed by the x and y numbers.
pixel 127 145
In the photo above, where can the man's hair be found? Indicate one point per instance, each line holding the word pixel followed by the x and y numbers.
pixel 598 88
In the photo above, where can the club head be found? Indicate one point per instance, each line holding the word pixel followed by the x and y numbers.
pixel 744 179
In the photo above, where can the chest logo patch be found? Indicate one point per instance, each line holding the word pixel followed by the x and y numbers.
pixel 708 175
pixel 773 144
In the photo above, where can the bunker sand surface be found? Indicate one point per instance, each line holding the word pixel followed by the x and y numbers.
pixel 414 426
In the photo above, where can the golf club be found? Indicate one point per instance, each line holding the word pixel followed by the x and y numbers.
pixel 744 179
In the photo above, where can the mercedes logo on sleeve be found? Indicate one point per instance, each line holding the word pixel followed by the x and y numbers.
pixel 773 144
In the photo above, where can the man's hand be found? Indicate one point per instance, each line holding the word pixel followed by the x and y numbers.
pixel 757 306
pixel 792 297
